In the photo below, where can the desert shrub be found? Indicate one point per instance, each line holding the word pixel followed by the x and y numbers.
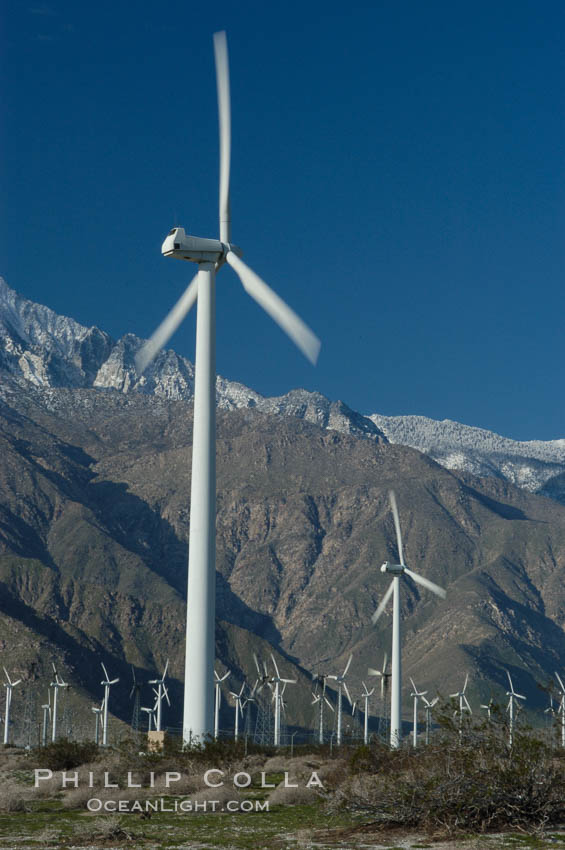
pixel 282 796
pixel 14 799
pixel 471 784
pixel 65 754
pixel 107 828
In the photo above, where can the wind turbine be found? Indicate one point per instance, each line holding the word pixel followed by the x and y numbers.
pixel 277 680
pixel 365 697
pixel 488 708
pixel 9 685
pixel 210 255
pixel 107 685
pixel 238 698
pixel 321 698
pixel 512 703
pixel 463 704
pixel 151 712
pixel 98 712
pixel 341 684
pixel 398 570
pixel 428 707
pixel 136 694
pixel 561 709
pixel 217 702
pixel 160 693
pixel 46 718
pixel 416 694
pixel 56 684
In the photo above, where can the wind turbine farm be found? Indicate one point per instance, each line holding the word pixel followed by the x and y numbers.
pixel 312 593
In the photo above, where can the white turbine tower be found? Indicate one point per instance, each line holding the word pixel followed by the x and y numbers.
pixel 107 685
pixel 161 693
pixel 510 708
pixel 9 685
pixel 416 695
pixel 398 570
pixel 341 685
pixel 217 701
pixel 210 255
pixel 238 699
pixel 277 680
pixel 428 707
pixel 56 684
pixel 561 709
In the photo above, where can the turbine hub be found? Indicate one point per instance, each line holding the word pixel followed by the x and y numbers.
pixel 395 569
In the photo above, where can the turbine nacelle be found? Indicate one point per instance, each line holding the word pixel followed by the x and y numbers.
pixel 394 569
pixel 196 249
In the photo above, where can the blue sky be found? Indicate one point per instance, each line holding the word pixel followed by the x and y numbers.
pixel 398 177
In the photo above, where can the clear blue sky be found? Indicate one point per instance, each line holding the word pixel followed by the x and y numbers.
pixel 398 176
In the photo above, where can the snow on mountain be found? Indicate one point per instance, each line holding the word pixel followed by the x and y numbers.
pixel 48 350
pixel 535 465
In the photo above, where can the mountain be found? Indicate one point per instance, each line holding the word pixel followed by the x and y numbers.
pixel 94 512
pixel 536 465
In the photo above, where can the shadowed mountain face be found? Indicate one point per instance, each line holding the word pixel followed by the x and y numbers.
pixel 94 518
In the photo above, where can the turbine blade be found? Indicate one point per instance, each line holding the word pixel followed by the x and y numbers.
pixel 165 670
pixel 510 680
pixel 280 312
pixel 275 666
pixel 347 693
pixel 224 115
pixel 256 660
pixel 385 662
pixel 372 672
pixel 105 672
pixel 383 603
pixel 425 582
pixel 347 665
pixel 168 326
pixel 328 703
pixel 394 509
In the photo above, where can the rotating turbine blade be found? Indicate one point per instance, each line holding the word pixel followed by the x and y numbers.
pixel 347 665
pixel 394 509
pixel 347 693
pixel 224 116
pixel 425 582
pixel 383 602
pixel 280 312
pixel 168 326
pixel 275 666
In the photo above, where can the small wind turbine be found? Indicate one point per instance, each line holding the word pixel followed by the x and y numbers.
pixel 341 685
pixel 46 707
pixel 365 696
pixel 107 685
pixel 320 699
pixel 488 708
pixel 160 693
pixel 9 685
pixel 217 702
pixel 510 708
pixel 561 709
pixel 98 712
pixel 151 712
pixel 210 255
pixel 277 680
pixel 56 684
pixel 136 694
pixel 428 707
pixel 463 704
pixel 416 694
pixel 398 570
pixel 383 675
pixel 238 698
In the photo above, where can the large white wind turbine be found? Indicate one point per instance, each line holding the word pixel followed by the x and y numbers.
pixel 365 696
pixel 398 570
pixel 9 685
pixel 210 255
pixel 341 685
pixel 321 698
pixel 239 699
